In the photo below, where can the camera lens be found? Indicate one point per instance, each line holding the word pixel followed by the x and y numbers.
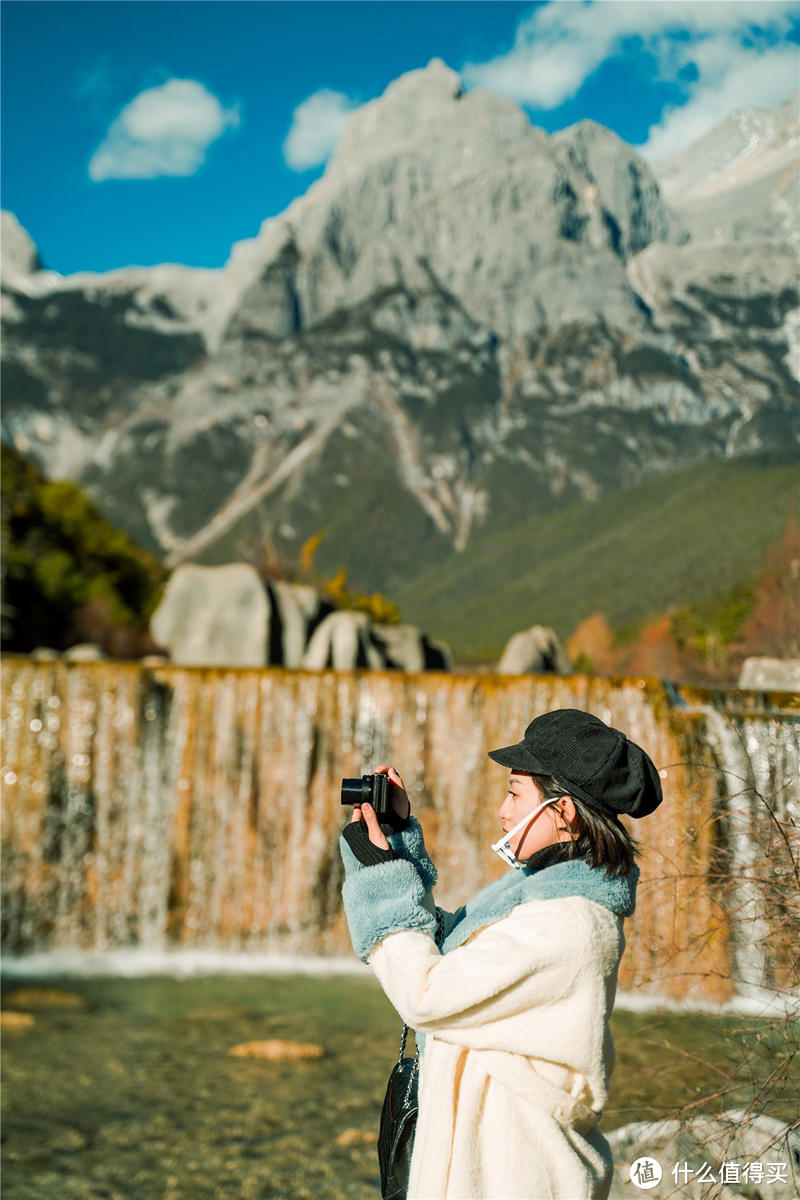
pixel 354 792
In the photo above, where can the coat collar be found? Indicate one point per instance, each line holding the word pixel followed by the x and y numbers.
pixel 557 852
pixel 558 881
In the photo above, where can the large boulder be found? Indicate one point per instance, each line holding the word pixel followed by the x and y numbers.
pixel 700 1146
pixel 228 616
pixel 214 616
pixel 348 640
pixel 406 648
pixel 343 641
pixel 84 652
pixel 771 674
pixel 296 611
pixel 534 651
pixel 44 654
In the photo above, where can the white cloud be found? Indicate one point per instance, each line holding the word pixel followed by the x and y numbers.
pixel 317 125
pixel 562 43
pixel 554 51
pixel 164 130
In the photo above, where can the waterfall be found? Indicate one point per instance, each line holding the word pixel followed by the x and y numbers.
pixel 159 807
pixel 758 762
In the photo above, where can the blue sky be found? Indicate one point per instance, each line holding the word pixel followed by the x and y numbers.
pixel 146 131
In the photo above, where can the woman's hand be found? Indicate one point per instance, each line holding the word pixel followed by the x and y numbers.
pixel 366 813
pixel 400 802
pixel 400 805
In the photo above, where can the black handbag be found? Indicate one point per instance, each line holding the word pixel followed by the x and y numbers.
pixel 398 1125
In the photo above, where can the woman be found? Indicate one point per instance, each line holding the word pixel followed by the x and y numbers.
pixel 512 992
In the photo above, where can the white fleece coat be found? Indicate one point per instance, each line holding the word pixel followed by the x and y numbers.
pixel 517 1050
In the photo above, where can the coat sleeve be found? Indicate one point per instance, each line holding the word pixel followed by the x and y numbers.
pixel 409 844
pixel 389 896
pixel 501 976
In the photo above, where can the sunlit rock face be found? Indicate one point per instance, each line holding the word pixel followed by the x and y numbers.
pixel 464 322
pixel 214 616
pixel 19 252
pixel 200 808
pixel 739 182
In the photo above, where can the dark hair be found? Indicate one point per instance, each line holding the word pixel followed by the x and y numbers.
pixel 601 839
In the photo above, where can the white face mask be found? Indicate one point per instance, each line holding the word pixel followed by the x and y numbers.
pixel 503 847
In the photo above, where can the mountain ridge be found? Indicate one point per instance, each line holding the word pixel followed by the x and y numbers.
pixel 463 321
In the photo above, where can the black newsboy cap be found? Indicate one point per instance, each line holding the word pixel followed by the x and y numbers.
pixel 589 759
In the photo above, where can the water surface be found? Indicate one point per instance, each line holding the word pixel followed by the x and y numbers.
pixel 133 1095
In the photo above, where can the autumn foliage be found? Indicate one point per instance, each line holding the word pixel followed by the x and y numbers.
pixel 335 588
pixel 591 646
pixel 685 644
pixel 773 627
pixel 657 652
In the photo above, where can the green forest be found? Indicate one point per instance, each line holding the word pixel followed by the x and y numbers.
pixel 68 575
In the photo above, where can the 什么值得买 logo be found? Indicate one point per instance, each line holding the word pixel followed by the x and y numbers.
pixel 645 1172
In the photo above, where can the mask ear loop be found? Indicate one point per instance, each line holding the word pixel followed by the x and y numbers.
pixel 503 847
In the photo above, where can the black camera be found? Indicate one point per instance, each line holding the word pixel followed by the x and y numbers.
pixel 369 789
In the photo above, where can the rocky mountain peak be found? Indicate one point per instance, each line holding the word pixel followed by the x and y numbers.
pixel 747 143
pixel 435 84
pixel 630 193
pixel 463 322
pixel 739 181
pixel 587 139
pixel 427 113
pixel 459 195
pixel 18 254
pixel 411 105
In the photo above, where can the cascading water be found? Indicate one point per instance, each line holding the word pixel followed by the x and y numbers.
pixel 163 807
pixel 758 767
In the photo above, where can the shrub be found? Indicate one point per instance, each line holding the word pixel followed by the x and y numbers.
pixel 68 574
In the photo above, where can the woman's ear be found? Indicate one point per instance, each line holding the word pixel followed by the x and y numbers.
pixel 569 813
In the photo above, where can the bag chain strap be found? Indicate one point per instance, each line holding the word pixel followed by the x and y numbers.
pixel 404 1035
pixel 415 1067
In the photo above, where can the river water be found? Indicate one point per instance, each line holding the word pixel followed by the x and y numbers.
pixel 125 1089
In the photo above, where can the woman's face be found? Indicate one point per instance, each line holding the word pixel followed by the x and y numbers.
pixel 547 827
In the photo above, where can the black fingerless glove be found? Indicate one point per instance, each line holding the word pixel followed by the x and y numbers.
pixel 368 854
